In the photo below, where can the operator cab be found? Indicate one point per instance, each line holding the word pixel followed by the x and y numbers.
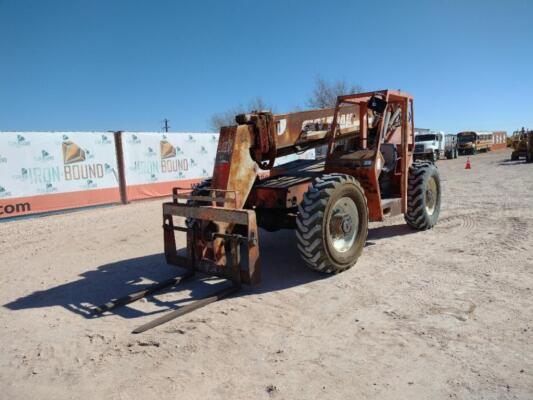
pixel 374 148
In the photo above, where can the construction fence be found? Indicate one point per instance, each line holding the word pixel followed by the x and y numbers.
pixel 50 171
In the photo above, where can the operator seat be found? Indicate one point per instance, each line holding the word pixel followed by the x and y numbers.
pixel 390 156
pixel 387 185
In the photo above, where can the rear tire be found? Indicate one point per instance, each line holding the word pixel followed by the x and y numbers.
pixel 514 156
pixel 332 223
pixel 423 196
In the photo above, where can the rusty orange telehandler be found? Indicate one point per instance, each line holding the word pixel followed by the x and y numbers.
pixel 367 174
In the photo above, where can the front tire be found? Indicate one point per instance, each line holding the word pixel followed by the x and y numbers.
pixel 423 196
pixel 332 223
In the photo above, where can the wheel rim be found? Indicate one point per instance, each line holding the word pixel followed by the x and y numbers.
pixel 343 224
pixel 431 195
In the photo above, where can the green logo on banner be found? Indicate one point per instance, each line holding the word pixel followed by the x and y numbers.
pixel 90 184
pixel 21 141
pixel 134 140
pixel 150 152
pixel 48 188
pixel 45 156
pixel 4 192
pixel 103 140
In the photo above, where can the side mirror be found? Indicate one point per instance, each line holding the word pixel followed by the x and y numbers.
pixel 376 104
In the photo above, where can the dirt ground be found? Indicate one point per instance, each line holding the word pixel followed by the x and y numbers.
pixel 446 313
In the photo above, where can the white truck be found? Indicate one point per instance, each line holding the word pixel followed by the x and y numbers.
pixel 429 144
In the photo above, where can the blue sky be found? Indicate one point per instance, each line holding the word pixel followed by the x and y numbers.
pixel 110 65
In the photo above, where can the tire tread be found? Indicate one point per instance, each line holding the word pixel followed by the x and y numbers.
pixel 310 220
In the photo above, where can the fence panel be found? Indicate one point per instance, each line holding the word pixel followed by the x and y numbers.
pixel 47 171
pixel 155 162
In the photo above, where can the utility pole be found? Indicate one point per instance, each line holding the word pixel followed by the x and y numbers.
pixel 166 125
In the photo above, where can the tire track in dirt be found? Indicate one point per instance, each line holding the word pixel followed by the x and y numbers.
pixel 506 245
pixel 513 235
pixel 466 222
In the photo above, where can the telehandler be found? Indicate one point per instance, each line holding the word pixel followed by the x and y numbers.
pixel 521 144
pixel 367 174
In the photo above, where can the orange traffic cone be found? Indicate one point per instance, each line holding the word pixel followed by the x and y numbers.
pixel 467 166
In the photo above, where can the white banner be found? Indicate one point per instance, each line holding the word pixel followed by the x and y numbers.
pixel 38 163
pixel 151 157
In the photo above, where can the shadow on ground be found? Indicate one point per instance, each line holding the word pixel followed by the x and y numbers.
pixel 512 162
pixel 385 232
pixel 281 268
